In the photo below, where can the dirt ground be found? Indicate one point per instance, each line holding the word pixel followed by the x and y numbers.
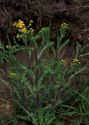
pixel 74 12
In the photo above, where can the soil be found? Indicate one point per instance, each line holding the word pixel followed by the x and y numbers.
pixel 74 12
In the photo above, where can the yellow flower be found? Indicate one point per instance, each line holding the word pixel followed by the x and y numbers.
pixel 23 30
pixel 12 75
pixel 75 61
pixel 20 24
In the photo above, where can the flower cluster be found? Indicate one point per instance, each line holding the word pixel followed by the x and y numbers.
pixel 64 25
pixel 22 28
pixel 12 75
pixel 75 61
pixel 63 61
pixel 20 24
